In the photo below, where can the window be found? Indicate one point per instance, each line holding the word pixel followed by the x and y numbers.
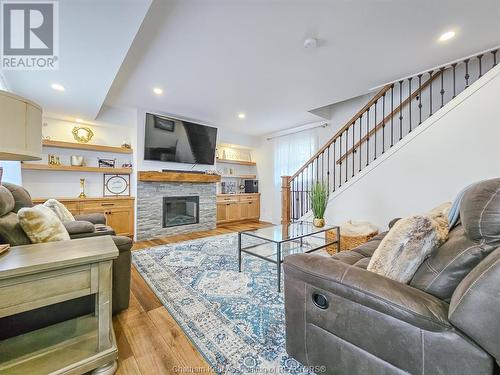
pixel 292 151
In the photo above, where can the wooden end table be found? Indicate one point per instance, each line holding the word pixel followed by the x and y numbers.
pixel 38 275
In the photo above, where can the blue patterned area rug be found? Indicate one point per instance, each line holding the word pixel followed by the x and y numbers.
pixel 236 320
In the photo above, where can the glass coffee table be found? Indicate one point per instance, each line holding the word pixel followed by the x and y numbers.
pixel 276 242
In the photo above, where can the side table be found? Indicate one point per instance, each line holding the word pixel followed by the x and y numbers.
pixel 38 275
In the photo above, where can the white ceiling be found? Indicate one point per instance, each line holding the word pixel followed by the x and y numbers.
pixel 94 37
pixel 216 58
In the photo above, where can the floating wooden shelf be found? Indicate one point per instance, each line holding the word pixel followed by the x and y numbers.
pixel 69 168
pixel 153 176
pixel 248 176
pixel 231 161
pixel 86 146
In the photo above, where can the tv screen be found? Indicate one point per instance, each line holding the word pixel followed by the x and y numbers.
pixel 170 139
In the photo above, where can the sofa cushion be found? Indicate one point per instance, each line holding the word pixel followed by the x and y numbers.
pixel 21 196
pixel 11 231
pixel 60 210
pixel 407 244
pixel 7 202
pixel 480 211
pixel 42 225
pixel 441 273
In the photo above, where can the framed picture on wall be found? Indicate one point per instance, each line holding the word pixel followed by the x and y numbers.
pixel 116 185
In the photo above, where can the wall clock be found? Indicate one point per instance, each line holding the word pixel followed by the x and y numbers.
pixel 116 184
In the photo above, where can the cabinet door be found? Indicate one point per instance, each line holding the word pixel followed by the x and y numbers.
pixel 254 209
pixel 221 212
pixel 232 211
pixel 243 206
pixel 120 220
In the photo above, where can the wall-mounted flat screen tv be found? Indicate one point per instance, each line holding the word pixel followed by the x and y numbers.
pixel 174 140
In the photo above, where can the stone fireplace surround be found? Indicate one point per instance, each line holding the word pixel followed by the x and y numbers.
pixel 153 186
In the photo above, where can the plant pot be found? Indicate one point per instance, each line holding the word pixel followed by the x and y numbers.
pixel 319 222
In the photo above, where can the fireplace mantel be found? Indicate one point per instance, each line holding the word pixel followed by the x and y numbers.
pixel 154 176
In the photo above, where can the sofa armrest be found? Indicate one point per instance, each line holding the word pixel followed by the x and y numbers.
pixel 96 218
pixel 79 227
pixel 379 293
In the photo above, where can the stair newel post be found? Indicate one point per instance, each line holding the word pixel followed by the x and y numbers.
pixel 285 199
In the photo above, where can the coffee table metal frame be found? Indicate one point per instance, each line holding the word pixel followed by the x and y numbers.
pixel 279 244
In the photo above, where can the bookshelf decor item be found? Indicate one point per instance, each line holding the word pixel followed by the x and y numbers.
pixel 82 189
pixel 116 185
pixel 107 163
pixel 82 134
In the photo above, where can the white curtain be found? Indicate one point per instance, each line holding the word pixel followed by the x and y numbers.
pixel 292 151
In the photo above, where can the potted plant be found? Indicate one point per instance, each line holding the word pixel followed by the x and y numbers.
pixel 319 200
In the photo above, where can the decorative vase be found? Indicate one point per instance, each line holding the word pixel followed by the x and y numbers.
pixel 319 222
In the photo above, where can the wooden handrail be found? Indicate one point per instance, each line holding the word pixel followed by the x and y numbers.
pixel 342 130
pixel 388 117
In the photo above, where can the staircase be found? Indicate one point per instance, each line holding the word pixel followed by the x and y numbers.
pixel 393 113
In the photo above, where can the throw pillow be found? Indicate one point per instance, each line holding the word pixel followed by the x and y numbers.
pixel 407 244
pixel 60 210
pixel 41 224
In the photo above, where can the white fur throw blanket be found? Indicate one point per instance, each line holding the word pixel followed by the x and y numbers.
pixel 408 243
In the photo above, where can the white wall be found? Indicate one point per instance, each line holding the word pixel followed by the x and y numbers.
pixel 457 146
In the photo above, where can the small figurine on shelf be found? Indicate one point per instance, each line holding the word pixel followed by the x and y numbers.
pixel 82 188
pixel 106 163
pixel 126 144
pixel 54 160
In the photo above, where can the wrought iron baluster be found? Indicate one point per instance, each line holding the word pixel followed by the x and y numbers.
pixel 442 86
pixel 359 144
pixel 479 58
pixel 383 122
pixel 430 92
pixel 334 166
pixel 467 75
pixel 375 132
pixel 302 193
pixel 454 67
pixel 400 110
pixel 352 148
pixel 293 200
pixel 419 99
pixel 317 168
pixel 367 136
pixel 328 168
pixel 341 160
pixel 409 102
pixel 392 115
pixel 346 150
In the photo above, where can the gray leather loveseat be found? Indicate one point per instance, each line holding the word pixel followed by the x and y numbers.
pixel 12 199
pixel 446 321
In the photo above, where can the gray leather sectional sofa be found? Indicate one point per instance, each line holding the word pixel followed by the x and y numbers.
pixel 446 321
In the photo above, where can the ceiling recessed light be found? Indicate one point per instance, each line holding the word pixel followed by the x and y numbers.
pixel 158 91
pixel 241 115
pixel 79 120
pixel 446 36
pixel 58 87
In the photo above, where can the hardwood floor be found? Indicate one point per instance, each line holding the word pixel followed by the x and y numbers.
pixel 149 340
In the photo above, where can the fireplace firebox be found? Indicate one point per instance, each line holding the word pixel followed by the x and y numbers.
pixel 180 211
